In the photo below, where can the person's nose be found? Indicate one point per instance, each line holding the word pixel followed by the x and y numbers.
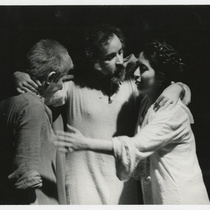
pixel 137 75
pixel 119 59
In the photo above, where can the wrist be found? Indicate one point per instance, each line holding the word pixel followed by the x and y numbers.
pixel 88 144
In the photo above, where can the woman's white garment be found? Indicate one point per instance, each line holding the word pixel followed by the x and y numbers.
pixel 167 139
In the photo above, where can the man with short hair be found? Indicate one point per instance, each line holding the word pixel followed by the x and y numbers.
pixel 27 154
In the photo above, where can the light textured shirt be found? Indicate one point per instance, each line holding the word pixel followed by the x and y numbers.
pixel 174 175
pixel 91 176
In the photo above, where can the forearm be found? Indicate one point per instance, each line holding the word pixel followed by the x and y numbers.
pixel 99 144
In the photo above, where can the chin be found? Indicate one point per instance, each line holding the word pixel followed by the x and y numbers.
pixel 118 77
pixel 139 86
pixel 117 80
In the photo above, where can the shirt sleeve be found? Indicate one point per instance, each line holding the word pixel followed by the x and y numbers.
pixel 164 128
pixel 59 98
pixel 186 99
pixel 27 146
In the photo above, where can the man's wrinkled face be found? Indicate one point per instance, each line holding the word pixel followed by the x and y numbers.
pixel 54 86
pixel 110 63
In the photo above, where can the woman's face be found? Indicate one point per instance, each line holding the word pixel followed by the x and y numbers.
pixel 145 74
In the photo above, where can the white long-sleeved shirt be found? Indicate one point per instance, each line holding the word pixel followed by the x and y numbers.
pixel 168 141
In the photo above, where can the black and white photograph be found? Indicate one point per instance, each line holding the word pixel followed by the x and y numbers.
pixel 105 104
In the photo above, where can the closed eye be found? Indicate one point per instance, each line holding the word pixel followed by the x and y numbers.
pixel 110 56
pixel 143 68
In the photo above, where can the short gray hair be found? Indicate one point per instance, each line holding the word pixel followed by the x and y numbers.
pixel 47 56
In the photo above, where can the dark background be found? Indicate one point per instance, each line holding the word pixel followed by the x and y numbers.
pixel 186 28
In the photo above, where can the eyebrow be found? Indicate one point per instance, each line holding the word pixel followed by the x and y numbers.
pixel 113 53
pixel 110 55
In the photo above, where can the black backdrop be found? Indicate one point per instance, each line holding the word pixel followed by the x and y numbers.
pixel 187 28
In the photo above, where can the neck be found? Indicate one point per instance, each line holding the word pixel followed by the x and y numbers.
pixel 153 93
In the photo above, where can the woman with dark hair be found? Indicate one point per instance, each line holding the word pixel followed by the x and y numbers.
pixel 163 152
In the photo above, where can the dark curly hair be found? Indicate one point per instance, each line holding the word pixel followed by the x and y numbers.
pixel 98 37
pixel 164 59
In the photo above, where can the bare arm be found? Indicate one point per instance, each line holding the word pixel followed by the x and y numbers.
pixel 165 127
pixel 24 83
pixel 73 140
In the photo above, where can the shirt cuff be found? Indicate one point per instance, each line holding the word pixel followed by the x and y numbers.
pixel 31 179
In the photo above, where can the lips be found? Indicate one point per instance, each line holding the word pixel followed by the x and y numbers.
pixel 140 85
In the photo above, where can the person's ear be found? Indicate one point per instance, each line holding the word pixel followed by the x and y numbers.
pixel 50 77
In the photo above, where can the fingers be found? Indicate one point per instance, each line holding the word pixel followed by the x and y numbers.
pixel 24 90
pixel 159 102
pixel 63 150
pixel 26 87
pixel 64 147
pixel 32 84
pixel 156 104
pixel 159 99
pixel 68 78
pixel 19 90
pixel 38 83
pixel 162 102
pixel 166 105
pixel 30 88
pixel 72 129
pixel 62 144
pixel 63 136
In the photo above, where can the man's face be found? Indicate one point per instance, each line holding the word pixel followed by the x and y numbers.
pixel 145 74
pixel 110 63
pixel 54 87
pixel 57 85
